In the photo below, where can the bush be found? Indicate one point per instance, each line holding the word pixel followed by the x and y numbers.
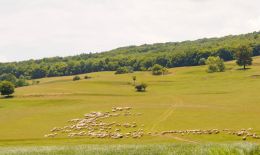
pixel 6 88
pixel 124 70
pixel 21 83
pixel 76 78
pixel 215 64
pixel 87 77
pixel 141 87
pixel 159 70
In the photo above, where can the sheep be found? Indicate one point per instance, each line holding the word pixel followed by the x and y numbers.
pixel 116 135
pixel 51 135
pixel 127 108
pixel 56 129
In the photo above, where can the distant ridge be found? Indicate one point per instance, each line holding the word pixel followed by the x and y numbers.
pixel 169 54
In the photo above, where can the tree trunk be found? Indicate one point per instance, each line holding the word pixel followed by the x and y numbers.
pixel 244 66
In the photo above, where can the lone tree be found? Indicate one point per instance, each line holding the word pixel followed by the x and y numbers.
pixel 244 56
pixel 6 88
pixel 141 87
pixel 134 79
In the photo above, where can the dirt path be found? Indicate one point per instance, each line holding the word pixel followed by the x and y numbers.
pixel 166 114
pixel 163 117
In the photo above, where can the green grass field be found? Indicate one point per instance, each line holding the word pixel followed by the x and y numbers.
pixel 188 98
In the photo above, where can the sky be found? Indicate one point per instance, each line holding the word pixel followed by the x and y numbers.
pixel 33 29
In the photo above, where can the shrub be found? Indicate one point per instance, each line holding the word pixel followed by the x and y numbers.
pixel 87 77
pixel 6 88
pixel 141 87
pixel 124 70
pixel 215 64
pixel 76 78
pixel 159 70
pixel 21 82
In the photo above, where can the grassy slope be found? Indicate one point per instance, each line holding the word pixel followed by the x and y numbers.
pixel 189 98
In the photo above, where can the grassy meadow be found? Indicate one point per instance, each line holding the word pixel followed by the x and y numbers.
pixel 187 98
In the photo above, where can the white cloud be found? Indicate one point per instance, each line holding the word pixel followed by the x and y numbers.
pixel 40 28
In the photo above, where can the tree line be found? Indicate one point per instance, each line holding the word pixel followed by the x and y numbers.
pixel 135 58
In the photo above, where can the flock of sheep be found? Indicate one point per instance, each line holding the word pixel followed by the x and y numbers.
pixel 244 133
pixel 92 125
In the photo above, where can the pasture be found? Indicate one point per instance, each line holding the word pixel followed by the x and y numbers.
pixel 186 99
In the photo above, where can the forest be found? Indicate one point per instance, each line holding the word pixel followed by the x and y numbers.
pixel 138 58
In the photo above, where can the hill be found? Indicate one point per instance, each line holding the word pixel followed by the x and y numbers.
pixel 187 99
pixel 171 54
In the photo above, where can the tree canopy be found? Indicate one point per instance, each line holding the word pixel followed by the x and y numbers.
pixel 6 88
pixel 244 56
pixel 170 54
pixel 215 64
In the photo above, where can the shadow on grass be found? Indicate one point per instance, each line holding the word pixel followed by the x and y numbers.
pixel 6 97
pixel 242 69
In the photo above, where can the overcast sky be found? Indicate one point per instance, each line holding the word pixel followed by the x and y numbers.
pixel 44 28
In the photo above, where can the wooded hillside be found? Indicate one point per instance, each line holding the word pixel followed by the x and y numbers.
pixel 171 54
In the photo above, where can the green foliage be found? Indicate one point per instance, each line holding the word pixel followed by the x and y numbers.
pixel 244 56
pixel 6 88
pixel 11 78
pixel 140 58
pixel 124 70
pixel 202 61
pixel 8 77
pixel 215 64
pixel 159 70
pixel 76 78
pixel 39 72
pixel 141 87
pixel 21 82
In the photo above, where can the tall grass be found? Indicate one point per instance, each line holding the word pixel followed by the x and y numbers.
pixel 154 149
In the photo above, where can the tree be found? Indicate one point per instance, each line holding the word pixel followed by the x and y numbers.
pixel 141 87
pixel 6 88
pixel 39 72
pixel 215 64
pixel 123 70
pixel 134 79
pixel 158 70
pixel 8 77
pixel 244 56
